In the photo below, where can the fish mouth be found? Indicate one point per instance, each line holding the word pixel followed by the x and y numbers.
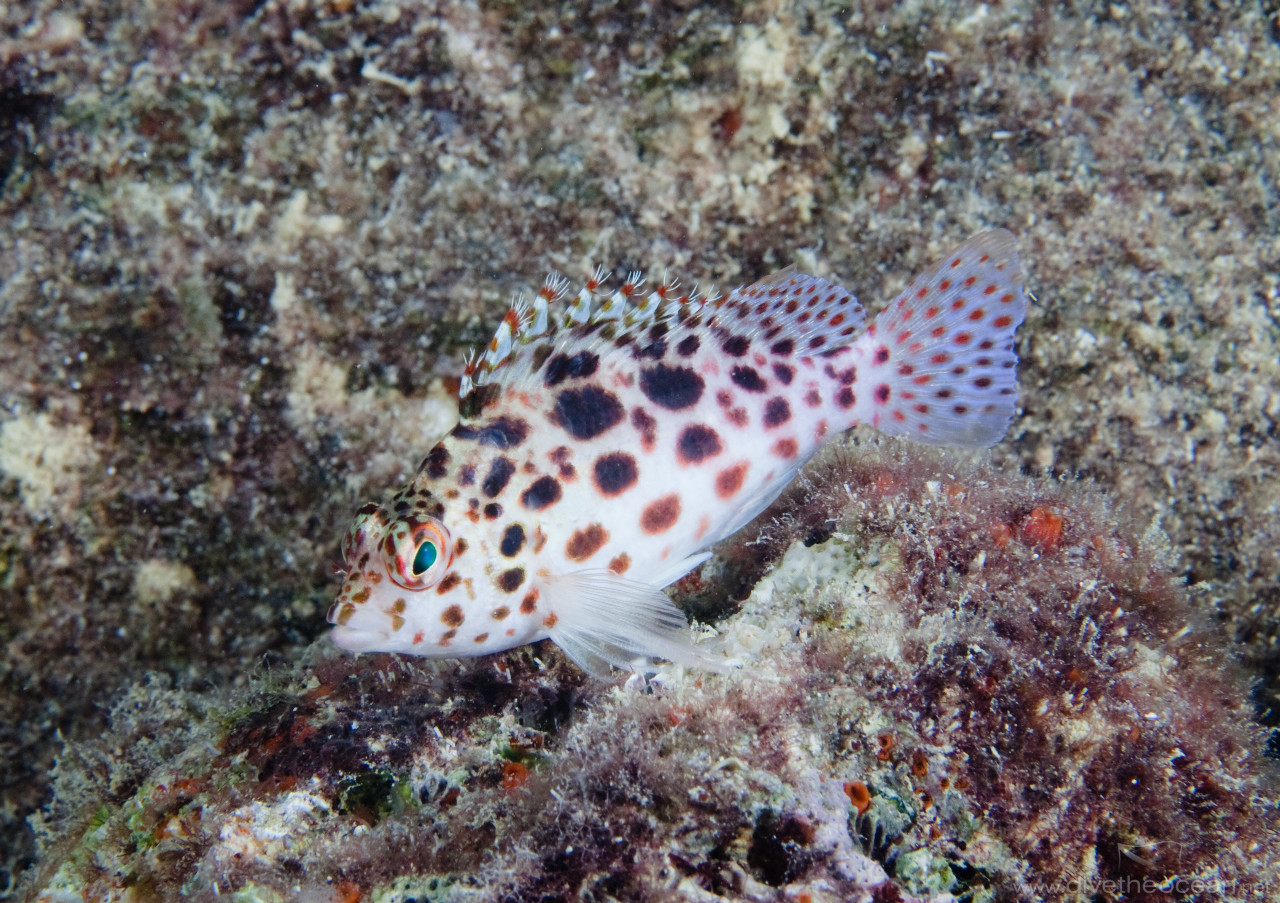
pixel 359 628
pixel 354 639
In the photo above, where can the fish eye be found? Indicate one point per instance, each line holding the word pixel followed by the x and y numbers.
pixel 426 557
pixel 416 550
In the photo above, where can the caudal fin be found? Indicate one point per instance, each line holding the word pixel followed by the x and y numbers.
pixel 938 364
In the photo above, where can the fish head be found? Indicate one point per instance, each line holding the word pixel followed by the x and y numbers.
pixel 398 564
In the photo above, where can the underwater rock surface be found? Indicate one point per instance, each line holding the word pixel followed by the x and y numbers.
pixel 244 246
pixel 950 683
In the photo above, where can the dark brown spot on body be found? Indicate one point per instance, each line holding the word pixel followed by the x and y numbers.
pixel 673 388
pixel 653 351
pixel 512 541
pixel 736 345
pixel 450 580
pixel 500 613
pixel 783 348
pixel 776 412
pixel 482 637
pixel 697 442
pixel 586 542
pixel 729 481
pixel 563 366
pixel 747 378
pixel 646 426
pixel 453 616
pixel 493 511
pixel 436 463
pixel 688 345
pixel 499 474
pixel 783 373
pixel 529 602
pixel 661 515
pixel 509 580
pixel 545 491
pixel 845 398
pixel 587 412
pixel 615 473
pixel 467 475
pixel 502 432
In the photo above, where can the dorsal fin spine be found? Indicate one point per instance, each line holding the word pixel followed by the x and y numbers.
pixel 527 321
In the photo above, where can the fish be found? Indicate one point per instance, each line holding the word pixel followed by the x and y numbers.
pixel 607 439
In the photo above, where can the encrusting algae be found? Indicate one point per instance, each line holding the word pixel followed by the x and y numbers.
pixel 605 443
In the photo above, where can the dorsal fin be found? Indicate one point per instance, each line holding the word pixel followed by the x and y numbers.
pixel 787 309
pixel 811 313
pixel 620 312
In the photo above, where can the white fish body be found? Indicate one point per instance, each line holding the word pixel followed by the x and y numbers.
pixel 607 440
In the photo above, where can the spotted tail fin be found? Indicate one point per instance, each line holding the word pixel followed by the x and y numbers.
pixel 938 364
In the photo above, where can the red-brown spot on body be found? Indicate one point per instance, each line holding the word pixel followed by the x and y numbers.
pixel 845 397
pixel 620 564
pixel 729 481
pixel 661 515
pixel 1002 322
pixel 453 616
pixel 529 602
pixel 550 621
pixel 500 613
pixel 786 448
pixel 586 542
pixel 448 583
pixel 882 393
pixel 482 637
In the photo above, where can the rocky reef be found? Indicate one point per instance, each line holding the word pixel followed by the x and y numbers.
pixel 244 246
pixel 948 686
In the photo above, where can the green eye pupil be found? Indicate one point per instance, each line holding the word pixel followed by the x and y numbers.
pixel 425 558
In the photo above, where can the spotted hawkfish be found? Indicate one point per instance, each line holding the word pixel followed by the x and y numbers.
pixel 608 438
